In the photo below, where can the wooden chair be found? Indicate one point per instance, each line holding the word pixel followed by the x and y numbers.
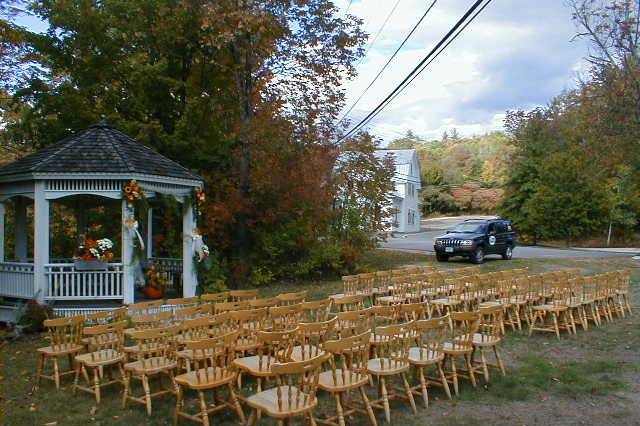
pixel 191 330
pixel 105 353
pixel 414 311
pixel 451 302
pixel 214 297
pixel 65 340
pixel 182 301
pixel 155 355
pixel 248 323
pixel 292 298
pixel 489 335
pixel 97 318
pixel 347 372
pixel 242 295
pixel 266 302
pixel 212 368
pixel 221 307
pixel 354 302
pixel 429 336
pixel 294 394
pixel 143 308
pixel 351 323
pixel 398 292
pixel 622 292
pixel 285 317
pixel 274 346
pixel 463 327
pixel 553 316
pixel 391 360
pixel 588 298
pixel 197 311
pixel 316 310
pixel 311 337
pixel 153 320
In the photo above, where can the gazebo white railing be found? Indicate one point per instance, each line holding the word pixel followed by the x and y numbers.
pixel 65 283
pixel 17 279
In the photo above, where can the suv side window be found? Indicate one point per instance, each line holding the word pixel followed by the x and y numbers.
pixel 491 229
pixel 501 228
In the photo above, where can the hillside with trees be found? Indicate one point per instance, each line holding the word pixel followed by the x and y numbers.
pixel 460 175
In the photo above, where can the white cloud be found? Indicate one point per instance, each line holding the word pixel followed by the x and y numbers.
pixel 517 54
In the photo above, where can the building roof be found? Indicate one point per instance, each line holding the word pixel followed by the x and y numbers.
pixel 400 156
pixel 100 149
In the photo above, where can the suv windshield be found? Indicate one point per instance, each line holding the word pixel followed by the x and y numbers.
pixel 469 228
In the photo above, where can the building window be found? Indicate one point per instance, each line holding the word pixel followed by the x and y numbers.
pixel 411 217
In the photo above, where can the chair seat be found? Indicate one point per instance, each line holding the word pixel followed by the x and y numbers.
pixel 101 357
pixel 144 348
pixel 490 304
pixel 480 339
pixel 350 380
pixel 423 356
pixel 304 352
pixel 267 401
pixel 189 354
pixel 445 301
pixel 63 350
pixel 151 365
pixel 386 366
pixel 211 377
pixel 253 366
pixel 388 300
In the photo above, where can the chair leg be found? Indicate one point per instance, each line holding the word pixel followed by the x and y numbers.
pixel 339 410
pixel 407 389
pixel 455 376
pixel 147 393
pixel 203 409
pixel 236 404
pixel 555 324
pixel 127 384
pixel 76 377
pixel 56 372
pixel 253 417
pixel 367 404
pixel 385 399
pixel 423 387
pixel 96 385
pixel 485 368
pixel 443 378
pixel 472 374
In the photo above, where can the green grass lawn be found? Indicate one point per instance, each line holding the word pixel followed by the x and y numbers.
pixel 591 378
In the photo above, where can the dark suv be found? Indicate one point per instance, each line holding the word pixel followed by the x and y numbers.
pixel 476 238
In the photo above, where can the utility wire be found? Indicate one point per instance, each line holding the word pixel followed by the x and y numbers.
pixel 384 24
pixel 417 69
pixel 388 61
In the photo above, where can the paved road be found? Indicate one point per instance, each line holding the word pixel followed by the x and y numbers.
pixel 423 242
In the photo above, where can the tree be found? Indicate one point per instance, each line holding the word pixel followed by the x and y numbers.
pixel 232 89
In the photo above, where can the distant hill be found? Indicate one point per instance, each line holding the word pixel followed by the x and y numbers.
pixel 460 174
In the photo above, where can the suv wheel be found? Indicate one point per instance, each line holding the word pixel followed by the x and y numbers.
pixel 477 256
pixel 508 253
pixel 441 257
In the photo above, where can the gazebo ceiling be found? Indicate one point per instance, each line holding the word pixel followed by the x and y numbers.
pixel 101 149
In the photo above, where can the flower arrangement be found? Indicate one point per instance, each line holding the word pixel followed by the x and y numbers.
pixel 132 192
pixel 155 282
pixel 92 249
pixel 199 200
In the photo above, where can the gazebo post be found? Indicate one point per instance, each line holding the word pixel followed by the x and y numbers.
pixel 2 211
pixel 189 274
pixel 150 233
pixel 128 272
pixel 41 240
pixel 21 229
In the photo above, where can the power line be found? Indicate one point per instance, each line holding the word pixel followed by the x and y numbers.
pixel 417 69
pixel 384 24
pixel 388 61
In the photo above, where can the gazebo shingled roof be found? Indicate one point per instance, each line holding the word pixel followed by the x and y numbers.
pixel 99 149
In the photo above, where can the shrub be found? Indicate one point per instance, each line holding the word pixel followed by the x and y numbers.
pixel 33 315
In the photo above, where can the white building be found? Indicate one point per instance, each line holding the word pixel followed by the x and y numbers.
pixel 406 200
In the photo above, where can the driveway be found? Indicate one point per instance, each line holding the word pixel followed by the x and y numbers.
pixel 431 228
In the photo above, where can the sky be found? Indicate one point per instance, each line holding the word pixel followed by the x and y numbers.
pixel 518 54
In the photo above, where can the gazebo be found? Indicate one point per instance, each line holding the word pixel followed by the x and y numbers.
pixel 93 166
